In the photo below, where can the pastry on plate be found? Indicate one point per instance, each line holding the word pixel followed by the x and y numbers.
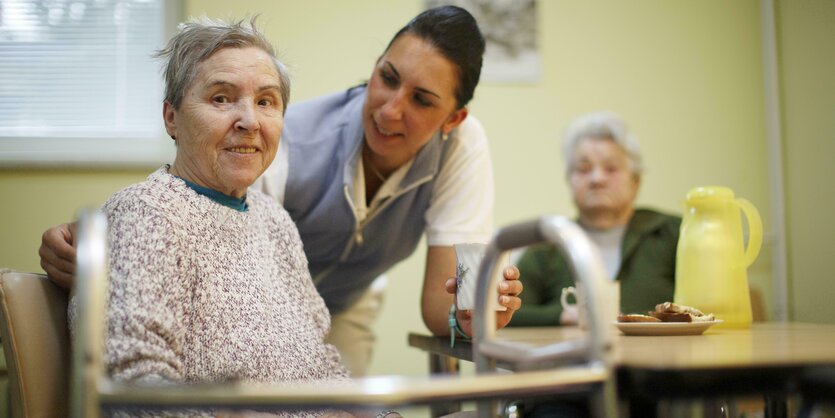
pixel 637 318
pixel 674 312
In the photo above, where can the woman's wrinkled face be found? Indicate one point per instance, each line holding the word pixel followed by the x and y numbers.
pixel 229 122
pixel 411 95
pixel 601 177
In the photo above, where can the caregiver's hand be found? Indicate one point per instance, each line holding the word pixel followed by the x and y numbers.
pixel 509 290
pixel 58 254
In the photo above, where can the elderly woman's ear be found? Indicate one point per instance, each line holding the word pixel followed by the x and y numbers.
pixel 168 118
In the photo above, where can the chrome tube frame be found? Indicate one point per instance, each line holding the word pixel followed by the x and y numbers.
pixel 90 290
pixel 92 389
pixel 590 276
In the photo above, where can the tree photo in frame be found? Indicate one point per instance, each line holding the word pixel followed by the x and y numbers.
pixel 510 32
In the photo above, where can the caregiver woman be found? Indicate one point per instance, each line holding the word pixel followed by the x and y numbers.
pixel 366 172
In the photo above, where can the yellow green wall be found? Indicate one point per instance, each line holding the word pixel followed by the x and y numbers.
pixel 686 75
pixel 807 65
pixel 33 200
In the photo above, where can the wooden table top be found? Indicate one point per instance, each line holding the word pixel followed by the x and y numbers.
pixel 767 344
pixel 767 358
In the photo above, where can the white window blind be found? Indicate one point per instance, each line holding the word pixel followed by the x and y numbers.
pixel 78 85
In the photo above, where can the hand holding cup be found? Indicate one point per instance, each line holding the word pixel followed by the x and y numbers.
pixel 468 260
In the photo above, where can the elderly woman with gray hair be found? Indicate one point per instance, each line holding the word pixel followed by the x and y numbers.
pixel 603 168
pixel 208 278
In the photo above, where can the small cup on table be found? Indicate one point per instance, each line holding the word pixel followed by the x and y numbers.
pixel 576 312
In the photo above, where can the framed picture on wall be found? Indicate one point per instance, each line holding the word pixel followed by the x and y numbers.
pixel 510 32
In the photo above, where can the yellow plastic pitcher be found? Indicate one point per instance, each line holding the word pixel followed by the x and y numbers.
pixel 711 260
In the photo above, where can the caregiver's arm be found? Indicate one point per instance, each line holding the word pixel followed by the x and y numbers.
pixel 461 210
pixel 435 300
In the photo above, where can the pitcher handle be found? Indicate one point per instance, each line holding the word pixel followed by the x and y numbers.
pixel 755 230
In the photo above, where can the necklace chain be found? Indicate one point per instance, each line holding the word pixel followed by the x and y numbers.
pixel 376 172
pixel 366 160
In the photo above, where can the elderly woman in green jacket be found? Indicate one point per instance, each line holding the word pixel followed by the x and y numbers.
pixel 638 246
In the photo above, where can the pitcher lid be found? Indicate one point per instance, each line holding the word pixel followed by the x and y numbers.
pixel 710 191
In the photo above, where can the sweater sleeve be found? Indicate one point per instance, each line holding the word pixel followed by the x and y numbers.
pixel 147 298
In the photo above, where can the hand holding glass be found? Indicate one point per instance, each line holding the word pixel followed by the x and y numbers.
pixel 468 261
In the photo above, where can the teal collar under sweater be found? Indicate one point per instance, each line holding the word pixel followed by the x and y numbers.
pixel 223 199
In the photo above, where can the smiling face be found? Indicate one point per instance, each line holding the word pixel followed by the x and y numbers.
pixel 411 95
pixel 229 122
pixel 602 180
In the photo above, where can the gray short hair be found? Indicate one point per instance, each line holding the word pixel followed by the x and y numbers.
pixel 201 37
pixel 601 125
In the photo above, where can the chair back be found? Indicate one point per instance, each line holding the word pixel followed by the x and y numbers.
pixel 33 323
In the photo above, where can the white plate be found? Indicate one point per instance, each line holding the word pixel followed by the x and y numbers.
pixel 665 328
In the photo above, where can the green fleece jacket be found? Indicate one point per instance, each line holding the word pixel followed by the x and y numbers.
pixel 646 275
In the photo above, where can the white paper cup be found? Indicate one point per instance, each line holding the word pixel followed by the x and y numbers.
pixel 468 260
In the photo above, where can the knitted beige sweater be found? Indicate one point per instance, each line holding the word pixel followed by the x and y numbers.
pixel 200 292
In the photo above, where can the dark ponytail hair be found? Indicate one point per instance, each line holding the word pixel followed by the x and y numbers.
pixel 454 32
